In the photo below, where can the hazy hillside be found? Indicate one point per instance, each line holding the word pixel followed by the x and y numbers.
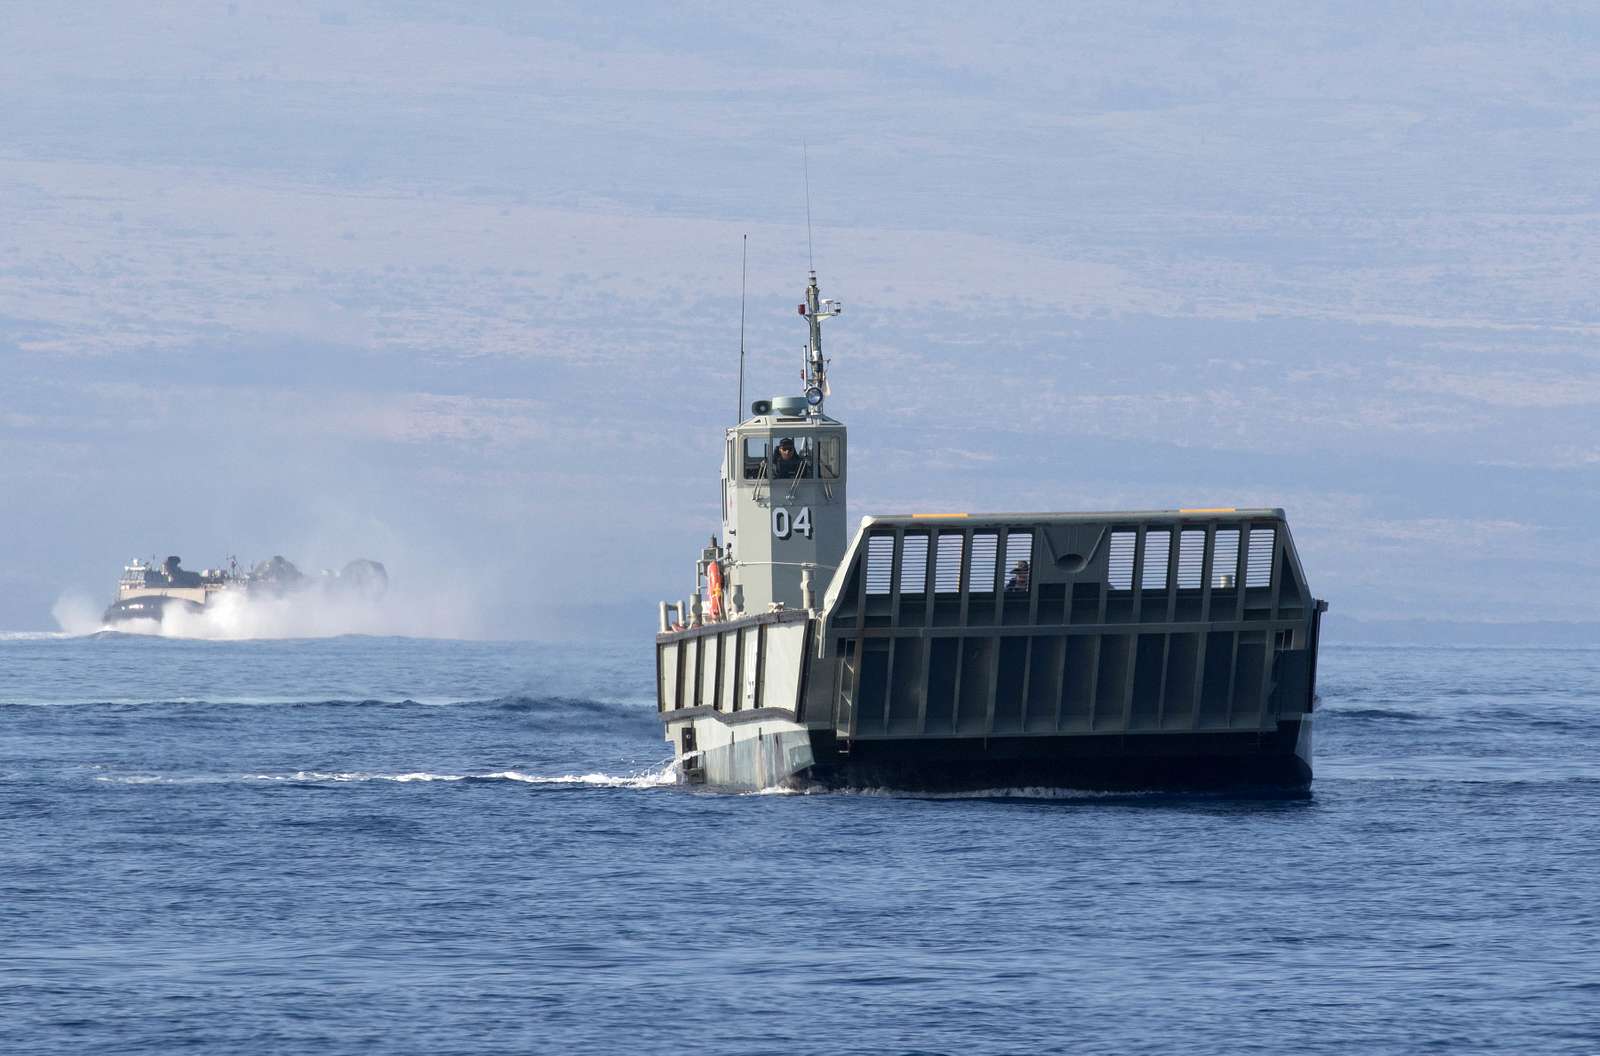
pixel 460 291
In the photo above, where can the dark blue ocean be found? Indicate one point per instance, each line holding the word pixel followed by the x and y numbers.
pixel 361 845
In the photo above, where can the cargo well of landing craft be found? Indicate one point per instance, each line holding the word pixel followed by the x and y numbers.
pixel 1121 650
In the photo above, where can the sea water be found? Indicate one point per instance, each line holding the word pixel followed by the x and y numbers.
pixel 386 845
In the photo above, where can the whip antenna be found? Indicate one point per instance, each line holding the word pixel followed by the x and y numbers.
pixel 744 258
pixel 805 166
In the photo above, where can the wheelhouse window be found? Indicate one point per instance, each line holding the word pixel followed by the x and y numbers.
pixel 788 457
pixel 830 458
pixel 756 452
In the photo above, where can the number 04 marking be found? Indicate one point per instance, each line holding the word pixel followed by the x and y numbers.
pixel 785 524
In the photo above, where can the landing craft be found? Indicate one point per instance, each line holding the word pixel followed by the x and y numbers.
pixel 148 591
pixel 928 651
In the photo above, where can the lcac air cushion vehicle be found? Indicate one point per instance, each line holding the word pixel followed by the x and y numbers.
pixel 948 651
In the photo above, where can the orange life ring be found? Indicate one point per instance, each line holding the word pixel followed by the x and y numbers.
pixel 714 580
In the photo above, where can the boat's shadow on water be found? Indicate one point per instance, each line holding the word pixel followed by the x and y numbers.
pixel 1251 799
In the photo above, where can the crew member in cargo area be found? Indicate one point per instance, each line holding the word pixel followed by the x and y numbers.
pixel 1021 572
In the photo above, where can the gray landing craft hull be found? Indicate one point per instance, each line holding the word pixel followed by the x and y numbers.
pixel 1159 650
pixel 779 756
pixel 1203 761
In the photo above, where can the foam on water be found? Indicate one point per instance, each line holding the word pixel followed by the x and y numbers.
pixel 551 707
pixel 232 702
pixel 444 610
pixel 659 777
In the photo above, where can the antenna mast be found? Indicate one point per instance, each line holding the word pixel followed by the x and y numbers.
pixel 744 259
pixel 816 307
pixel 805 167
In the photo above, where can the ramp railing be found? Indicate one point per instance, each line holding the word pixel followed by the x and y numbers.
pixel 1167 620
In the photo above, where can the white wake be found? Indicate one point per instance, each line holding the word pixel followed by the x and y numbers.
pixel 659 777
pixel 305 613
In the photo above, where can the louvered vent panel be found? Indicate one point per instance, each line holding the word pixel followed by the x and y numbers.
pixel 985 556
pixel 914 564
pixel 1191 558
pixel 1225 559
pixel 1258 572
pixel 947 575
pixel 1120 573
pixel 1157 546
pixel 880 563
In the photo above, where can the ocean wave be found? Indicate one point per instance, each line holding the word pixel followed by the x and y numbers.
pixel 1459 770
pixel 563 707
pixel 663 775
pixel 310 610
pixel 229 702
pixel 1015 792
pixel 657 777
pixel 1379 714
pixel 570 703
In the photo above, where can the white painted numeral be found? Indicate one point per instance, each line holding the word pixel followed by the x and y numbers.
pixel 785 524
